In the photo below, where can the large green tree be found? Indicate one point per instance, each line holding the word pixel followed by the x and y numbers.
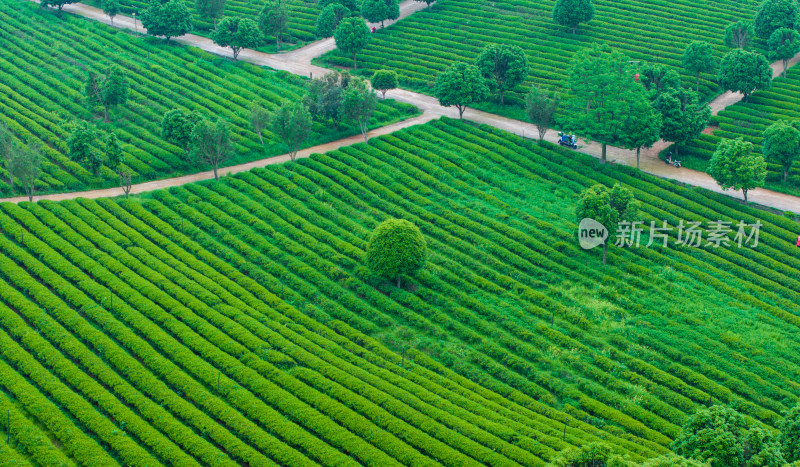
pixel 724 438
pixel 541 105
pixel 210 10
pixel 460 85
pixel 782 144
pixel 212 143
pixel 237 33
pixel 352 35
pixel 292 124
pixel 571 13
pixel 699 58
pixel 606 206
pixel 274 20
pixel 745 72
pixel 168 19
pixel 378 11
pixel 783 44
pixel 57 3
pixel 395 248
pixel 642 127
pixel 358 104
pixel 27 167
pixel 735 165
pixel 739 34
pixel 111 8
pixel 658 78
pixel 81 147
pixel 775 14
pixel 177 126
pixel 329 18
pixel 602 92
pixel 109 90
pixel 504 66
pixel 384 80
pixel 683 116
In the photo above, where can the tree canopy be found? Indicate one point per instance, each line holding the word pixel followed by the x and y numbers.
pixel 641 128
pixel 358 104
pixel 378 11
pixel 699 58
pixel 745 72
pixel 329 18
pixel 782 144
pixel 111 8
pixel 775 14
pixel 109 91
pixel 210 10
pixel 789 438
pixel 683 116
pixel 541 106
pixel 504 66
pixel 384 80
pixel 259 119
pixel 351 36
pixel 734 165
pixel 211 143
pixel 606 206
pixel 396 247
pixel 80 145
pixel 783 44
pixel 460 85
pixel 658 78
pixel 169 19
pixel 57 3
pixel 237 33
pixel 273 20
pixel 739 34
pixel 292 124
pixel 602 93
pixel 177 126
pixel 27 167
pixel 571 13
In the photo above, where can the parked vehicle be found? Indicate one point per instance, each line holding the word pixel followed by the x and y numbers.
pixel 570 141
pixel 671 161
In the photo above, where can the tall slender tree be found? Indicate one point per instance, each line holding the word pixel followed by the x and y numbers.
pixel 212 143
pixel 571 13
pixel 109 90
pixel 699 58
pixel 351 36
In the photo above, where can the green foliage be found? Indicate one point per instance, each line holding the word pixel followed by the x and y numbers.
pixel 745 72
pixel 378 11
pixel 699 58
pixel 789 437
pixel 504 66
pixel 329 18
pixel 57 3
pixel 351 36
pixel 608 207
pixel 738 35
pixel 177 126
pixel 783 44
pixel 782 144
pixel 642 127
pixel 541 106
pixel 460 85
pixel 26 167
pixel 602 94
pixel 683 116
pixel 111 8
pixel 775 14
pixel 671 460
pixel 169 19
pixel 324 97
pixel 81 147
pixel 211 143
pixel 114 155
pixel 108 91
pixel 590 455
pixel 396 248
pixel 358 104
pixel 734 165
pixel 210 10
pixel 259 119
pixel 724 438
pixel 351 5
pixel 658 78
pixel 571 13
pixel 273 20
pixel 237 33
pixel 292 124
pixel 384 80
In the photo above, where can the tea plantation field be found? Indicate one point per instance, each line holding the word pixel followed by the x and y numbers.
pixel 44 61
pixel 233 322
pixel 421 46
pixel 749 120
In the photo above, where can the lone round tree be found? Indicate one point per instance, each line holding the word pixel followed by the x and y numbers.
pixel 734 165
pixel 745 72
pixel 782 144
pixel 504 66
pixel 460 85
pixel 396 247
pixel 384 80
pixel 571 13
pixel 783 44
pixel 775 14
pixel 170 19
pixel 351 36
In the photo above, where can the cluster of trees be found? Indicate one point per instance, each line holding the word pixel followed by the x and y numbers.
pixel 23 162
pixel 498 68
pixel 94 148
pixel 718 436
pixel 203 141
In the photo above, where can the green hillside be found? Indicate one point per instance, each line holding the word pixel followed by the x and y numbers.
pixel 45 60
pixel 429 41
pixel 234 322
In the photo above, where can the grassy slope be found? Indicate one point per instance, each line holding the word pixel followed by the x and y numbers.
pixel 44 63
pixel 240 309
pixel 749 120
pixel 456 30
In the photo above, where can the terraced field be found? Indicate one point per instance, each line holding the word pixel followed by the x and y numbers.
pixel 749 120
pixel 428 42
pixel 44 60
pixel 234 323
pixel 302 14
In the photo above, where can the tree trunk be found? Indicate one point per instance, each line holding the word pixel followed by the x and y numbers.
pixel 105 113
pixel 461 110
pixel 363 126
pixel 605 252
pixel 744 191
pixel 216 177
pixel 603 154
pixel 235 53
pixel 785 174
pixel 785 66
pixel 398 282
pixel 638 150
pixel 676 149
pixel 384 93
pixel 261 138
pixel 381 24
pixel 277 43
pixel 501 97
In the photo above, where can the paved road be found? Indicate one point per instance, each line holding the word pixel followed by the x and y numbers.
pixel 298 61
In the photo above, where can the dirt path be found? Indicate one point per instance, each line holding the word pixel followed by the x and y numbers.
pixel 298 61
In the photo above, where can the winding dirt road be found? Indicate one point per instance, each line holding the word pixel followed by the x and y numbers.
pixel 298 61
